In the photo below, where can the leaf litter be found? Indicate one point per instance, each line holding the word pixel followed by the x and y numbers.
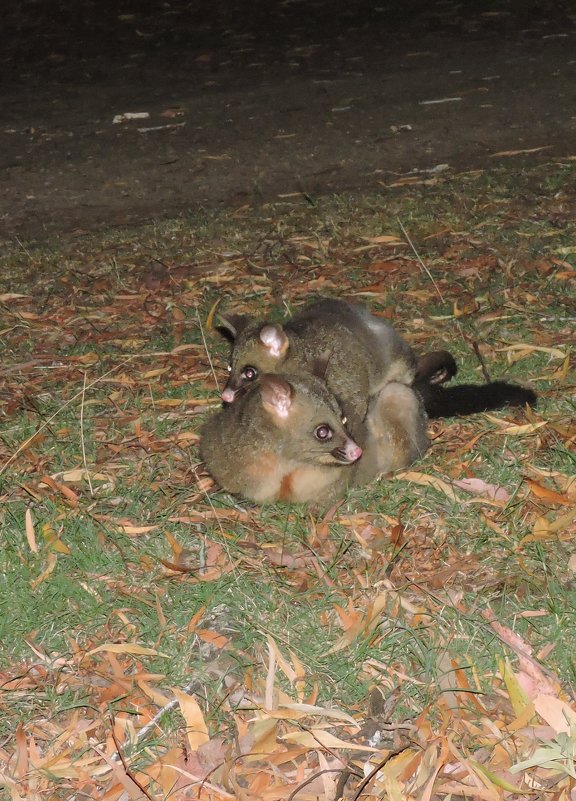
pixel 427 589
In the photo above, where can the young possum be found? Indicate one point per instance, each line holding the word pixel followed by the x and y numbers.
pixel 363 354
pixel 285 439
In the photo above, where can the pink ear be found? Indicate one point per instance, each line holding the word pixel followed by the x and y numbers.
pixel 275 339
pixel 276 395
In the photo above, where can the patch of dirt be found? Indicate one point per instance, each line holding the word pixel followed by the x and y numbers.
pixel 255 101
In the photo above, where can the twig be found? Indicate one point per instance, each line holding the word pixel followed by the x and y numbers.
pixel 366 781
pixel 209 500
pixel 145 730
pixel 124 779
pixel 430 276
pixel 420 262
pixel 204 342
pixel 342 781
pixel 345 771
pixel 480 358
pixel 84 460
pixel 26 251
pixel 127 769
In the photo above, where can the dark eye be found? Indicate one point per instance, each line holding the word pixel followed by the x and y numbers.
pixel 249 373
pixel 323 433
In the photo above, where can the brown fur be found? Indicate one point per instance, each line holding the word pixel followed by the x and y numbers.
pixel 362 354
pixel 253 452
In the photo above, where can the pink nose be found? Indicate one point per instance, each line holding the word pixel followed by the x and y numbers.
pixel 228 395
pixel 353 451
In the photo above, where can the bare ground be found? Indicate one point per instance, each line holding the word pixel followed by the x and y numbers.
pixel 252 101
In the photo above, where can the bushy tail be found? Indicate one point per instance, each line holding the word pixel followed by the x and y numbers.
pixel 440 401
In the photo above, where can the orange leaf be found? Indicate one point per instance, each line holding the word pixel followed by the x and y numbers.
pixel 215 639
pixel 66 492
pixel 52 559
pixel 195 619
pixel 126 648
pixel 30 536
pixel 196 728
pixel 386 239
pixel 319 737
pixel 21 752
pixel 133 530
pixel 547 494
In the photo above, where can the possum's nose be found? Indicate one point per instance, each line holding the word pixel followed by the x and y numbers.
pixel 353 452
pixel 228 395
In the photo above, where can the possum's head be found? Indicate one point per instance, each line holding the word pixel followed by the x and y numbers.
pixel 257 348
pixel 307 419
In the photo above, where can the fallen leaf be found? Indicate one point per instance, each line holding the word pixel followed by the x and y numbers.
pixel 521 152
pixel 315 737
pixel 196 728
pixel 424 478
pixel 547 494
pixel 478 486
pixel 126 648
pixel 516 430
pixel 30 535
pixel 51 561
pixel 385 239
pixel 555 712
pixel 7 296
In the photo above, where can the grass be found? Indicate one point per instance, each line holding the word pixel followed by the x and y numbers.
pixel 105 374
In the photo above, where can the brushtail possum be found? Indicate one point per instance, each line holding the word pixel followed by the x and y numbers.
pixel 363 354
pixel 361 351
pixel 285 438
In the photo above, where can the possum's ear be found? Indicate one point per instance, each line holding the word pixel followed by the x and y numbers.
pixel 274 339
pixel 231 325
pixel 276 394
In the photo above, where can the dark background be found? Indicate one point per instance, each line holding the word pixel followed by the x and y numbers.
pixel 251 101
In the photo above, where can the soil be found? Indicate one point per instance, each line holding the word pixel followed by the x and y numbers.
pixel 255 100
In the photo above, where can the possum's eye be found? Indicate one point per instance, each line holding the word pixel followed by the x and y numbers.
pixel 249 373
pixel 229 368
pixel 323 433
pixel 344 420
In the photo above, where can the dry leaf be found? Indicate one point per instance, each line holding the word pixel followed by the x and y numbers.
pixel 424 478
pixel 126 648
pixel 555 712
pixel 547 494
pixel 196 728
pixel 319 737
pixel 30 535
pixel 479 487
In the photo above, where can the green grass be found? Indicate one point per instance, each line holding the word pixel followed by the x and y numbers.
pixel 99 310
